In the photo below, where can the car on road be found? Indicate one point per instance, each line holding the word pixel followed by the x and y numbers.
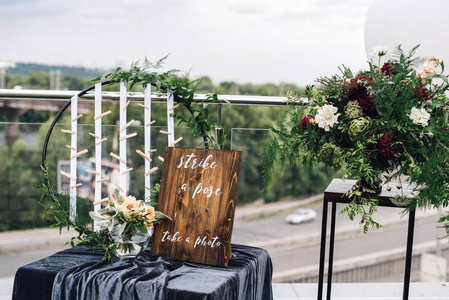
pixel 301 215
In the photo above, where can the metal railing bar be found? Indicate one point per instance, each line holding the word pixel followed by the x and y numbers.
pixel 49 95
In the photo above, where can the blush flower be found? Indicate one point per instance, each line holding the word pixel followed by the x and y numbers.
pixel 426 70
pixel 327 117
pixel 419 116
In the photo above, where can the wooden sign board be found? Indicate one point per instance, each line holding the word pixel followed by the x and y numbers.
pixel 198 191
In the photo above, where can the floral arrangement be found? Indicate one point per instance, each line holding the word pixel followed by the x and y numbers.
pixel 125 217
pixel 127 212
pixel 140 75
pixel 389 122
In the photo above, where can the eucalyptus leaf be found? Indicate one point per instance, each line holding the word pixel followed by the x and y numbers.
pixel 142 228
pixel 160 215
pixel 122 230
pixel 96 216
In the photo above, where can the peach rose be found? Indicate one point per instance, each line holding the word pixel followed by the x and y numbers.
pixel 130 206
pixel 150 216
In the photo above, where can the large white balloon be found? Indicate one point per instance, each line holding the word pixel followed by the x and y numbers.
pixel 409 23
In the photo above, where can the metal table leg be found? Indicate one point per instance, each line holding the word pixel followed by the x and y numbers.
pixel 408 256
pixel 331 250
pixel 322 250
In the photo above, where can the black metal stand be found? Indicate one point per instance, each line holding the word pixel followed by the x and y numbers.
pixel 335 194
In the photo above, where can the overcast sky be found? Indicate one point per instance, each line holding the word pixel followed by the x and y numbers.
pixel 253 41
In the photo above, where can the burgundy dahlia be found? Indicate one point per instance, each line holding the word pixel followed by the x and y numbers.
pixel 420 92
pixel 384 144
pixel 368 106
pixel 358 92
pixel 306 121
pixel 389 68
pixel 357 87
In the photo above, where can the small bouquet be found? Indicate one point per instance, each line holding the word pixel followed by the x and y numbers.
pixel 129 222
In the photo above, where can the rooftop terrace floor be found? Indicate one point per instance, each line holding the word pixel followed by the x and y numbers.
pixel 340 291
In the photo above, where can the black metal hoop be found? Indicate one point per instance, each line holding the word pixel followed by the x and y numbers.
pixel 58 115
pixel 82 93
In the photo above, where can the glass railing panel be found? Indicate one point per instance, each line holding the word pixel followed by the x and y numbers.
pixel 20 170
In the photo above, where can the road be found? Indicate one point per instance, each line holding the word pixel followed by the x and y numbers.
pixel 275 227
pixel 291 257
pixel 301 242
pixel 293 246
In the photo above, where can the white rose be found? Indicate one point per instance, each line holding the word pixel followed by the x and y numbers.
pixel 420 116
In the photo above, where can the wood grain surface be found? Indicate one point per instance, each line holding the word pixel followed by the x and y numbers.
pixel 198 191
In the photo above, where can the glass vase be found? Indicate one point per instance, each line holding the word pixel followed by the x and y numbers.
pixel 130 243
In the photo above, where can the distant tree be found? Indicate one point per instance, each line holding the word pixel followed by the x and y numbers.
pixel 75 83
pixel 268 89
pixel 13 80
pixel 37 80
pixel 205 86
pixel 227 88
pixel 19 174
pixel 246 89
pixel 292 87
pixel 34 116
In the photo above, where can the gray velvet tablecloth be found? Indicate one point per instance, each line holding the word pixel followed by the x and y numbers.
pixel 79 274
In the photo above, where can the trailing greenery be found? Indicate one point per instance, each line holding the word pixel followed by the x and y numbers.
pixel 154 195
pixel 94 240
pixel 183 91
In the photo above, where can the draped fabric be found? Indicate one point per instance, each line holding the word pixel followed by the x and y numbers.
pixel 126 279
pixel 79 274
